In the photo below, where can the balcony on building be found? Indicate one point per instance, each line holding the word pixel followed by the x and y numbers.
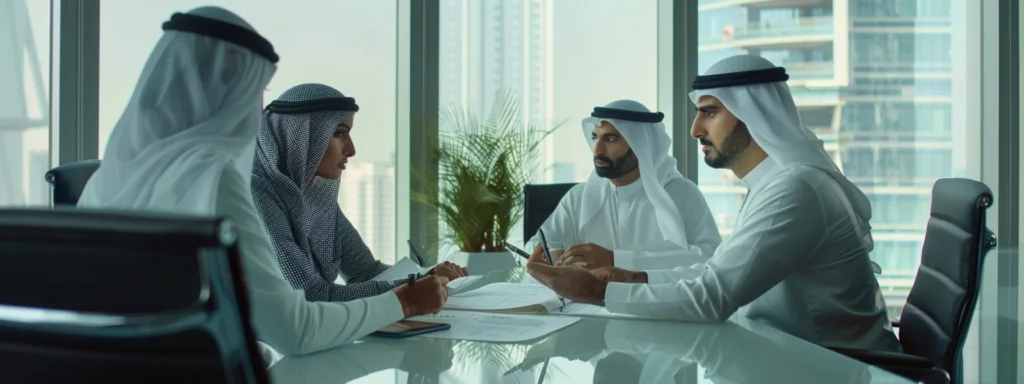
pixel 711 4
pixel 800 33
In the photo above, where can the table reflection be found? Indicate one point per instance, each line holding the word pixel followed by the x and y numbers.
pixel 592 350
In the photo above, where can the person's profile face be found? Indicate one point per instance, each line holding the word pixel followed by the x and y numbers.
pixel 723 137
pixel 613 157
pixel 339 150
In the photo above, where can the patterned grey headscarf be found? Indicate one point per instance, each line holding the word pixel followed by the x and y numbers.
pixel 313 239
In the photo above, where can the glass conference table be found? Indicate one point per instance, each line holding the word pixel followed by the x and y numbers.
pixel 597 350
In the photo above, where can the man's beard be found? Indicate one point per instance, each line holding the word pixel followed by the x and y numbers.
pixel 618 168
pixel 730 149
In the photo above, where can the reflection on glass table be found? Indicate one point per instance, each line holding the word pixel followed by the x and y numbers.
pixel 592 350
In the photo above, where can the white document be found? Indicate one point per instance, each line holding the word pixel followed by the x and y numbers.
pixel 588 310
pixel 457 285
pixel 400 271
pixel 493 327
pixel 508 298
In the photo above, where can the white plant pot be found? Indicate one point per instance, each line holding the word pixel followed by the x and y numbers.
pixel 480 263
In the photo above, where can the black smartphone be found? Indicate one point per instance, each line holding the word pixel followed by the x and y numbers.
pixel 407 328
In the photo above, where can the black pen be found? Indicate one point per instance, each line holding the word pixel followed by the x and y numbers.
pixel 419 259
pixel 412 278
pixel 547 254
pixel 517 250
pixel 544 244
pixel 415 254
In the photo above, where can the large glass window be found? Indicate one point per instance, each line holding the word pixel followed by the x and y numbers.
pixel 349 45
pixel 24 102
pixel 891 124
pixel 560 58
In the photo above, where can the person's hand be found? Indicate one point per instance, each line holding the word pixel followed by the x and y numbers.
pixel 425 296
pixel 572 283
pixel 450 270
pixel 619 275
pixel 538 254
pixel 589 256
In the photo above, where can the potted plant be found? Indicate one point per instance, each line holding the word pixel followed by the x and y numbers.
pixel 482 168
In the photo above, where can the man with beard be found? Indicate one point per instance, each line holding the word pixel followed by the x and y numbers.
pixel 636 211
pixel 797 259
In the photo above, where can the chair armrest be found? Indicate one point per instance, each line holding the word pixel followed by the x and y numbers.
pixel 877 269
pixel 912 367
pixel 885 359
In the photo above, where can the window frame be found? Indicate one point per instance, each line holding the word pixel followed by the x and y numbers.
pixel 74 75
pixel 992 349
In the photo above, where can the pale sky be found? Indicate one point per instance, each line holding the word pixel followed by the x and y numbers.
pixel 351 45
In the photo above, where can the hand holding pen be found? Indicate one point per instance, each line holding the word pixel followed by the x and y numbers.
pixel 547 255
pixel 423 296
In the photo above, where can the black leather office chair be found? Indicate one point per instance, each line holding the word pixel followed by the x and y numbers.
pixel 539 201
pixel 68 180
pixel 92 296
pixel 934 323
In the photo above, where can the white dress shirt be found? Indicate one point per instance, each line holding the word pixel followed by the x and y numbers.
pixel 281 316
pixel 627 226
pixel 794 261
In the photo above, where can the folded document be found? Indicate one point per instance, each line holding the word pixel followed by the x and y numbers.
pixel 506 298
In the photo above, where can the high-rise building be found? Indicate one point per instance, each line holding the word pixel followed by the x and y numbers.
pixel 367 200
pixel 23 105
pixel 873 79
pixel 490 46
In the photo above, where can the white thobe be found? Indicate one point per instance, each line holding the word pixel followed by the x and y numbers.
pixel 628 227
pixel 794 262
pixel 281 316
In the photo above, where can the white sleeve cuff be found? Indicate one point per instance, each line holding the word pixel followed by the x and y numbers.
pixel 384 309
pixel 616 296
pixel 666 276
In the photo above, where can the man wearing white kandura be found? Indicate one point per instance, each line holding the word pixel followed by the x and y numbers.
pixel 185 144
pixel 636 211
pixel 798 257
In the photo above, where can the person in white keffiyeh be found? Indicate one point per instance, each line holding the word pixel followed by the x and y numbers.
pixel 636 211
pixel 184 145
pixel 302 150
pixel 797 259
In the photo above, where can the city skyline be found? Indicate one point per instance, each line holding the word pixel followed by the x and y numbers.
pixel 366 199
pixel 487 48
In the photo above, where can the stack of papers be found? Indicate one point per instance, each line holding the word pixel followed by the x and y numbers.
pixel 401 271
pixel 461 284
pixel 493 327
pixel 499 312
pixel 507 298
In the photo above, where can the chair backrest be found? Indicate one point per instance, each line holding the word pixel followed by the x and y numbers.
pixel 942 300
pixel 99 296
pixel 69 180
pixel 539 201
